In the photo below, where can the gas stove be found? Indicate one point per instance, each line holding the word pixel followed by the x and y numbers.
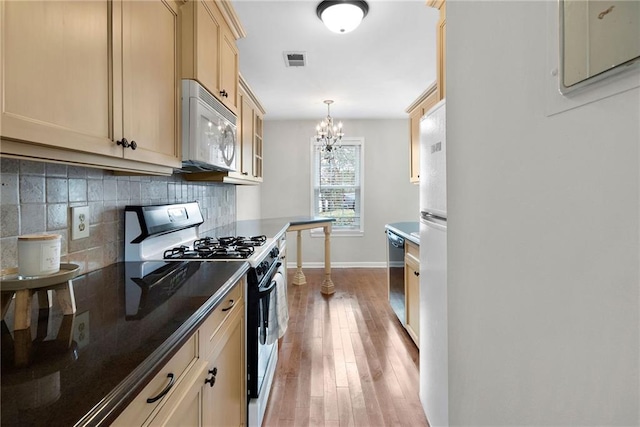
pixel 162 236
pixel 170 232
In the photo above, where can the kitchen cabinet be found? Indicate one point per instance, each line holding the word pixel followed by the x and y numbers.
pixel 224 393
pixel 250 134
pixel 441 43
pixel 412 290
pixel 416 110
pixel 207 375
pixel 210 56
pixel 83 81
pixel 249 144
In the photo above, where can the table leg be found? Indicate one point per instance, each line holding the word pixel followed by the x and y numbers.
pixel 22 313
pixel 66 298
pixel 298 278
pixel 328 287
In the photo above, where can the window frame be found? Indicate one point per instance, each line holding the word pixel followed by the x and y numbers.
pixel 336 231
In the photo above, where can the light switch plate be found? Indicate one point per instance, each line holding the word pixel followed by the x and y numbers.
pixel 79 222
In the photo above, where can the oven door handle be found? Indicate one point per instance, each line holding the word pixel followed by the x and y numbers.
pixel 266 291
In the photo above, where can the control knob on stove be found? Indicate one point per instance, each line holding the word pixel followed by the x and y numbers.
pixel 274 252
pixel 262 267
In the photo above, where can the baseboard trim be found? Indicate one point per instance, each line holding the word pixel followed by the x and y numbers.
pixel 340 265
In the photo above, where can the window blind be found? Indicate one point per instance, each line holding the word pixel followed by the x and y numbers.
pixel 337 185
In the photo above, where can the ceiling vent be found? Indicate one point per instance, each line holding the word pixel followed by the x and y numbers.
pixel 295 59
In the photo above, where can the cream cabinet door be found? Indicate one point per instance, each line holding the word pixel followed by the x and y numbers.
pixel 412 291
pixel 224 393
pixel 184 408
pixel 229 70
pixel 148 86
pixel 246 135
pixel 208 46
pixel 57 75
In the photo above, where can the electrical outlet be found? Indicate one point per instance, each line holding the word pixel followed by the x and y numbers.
pixel 79 222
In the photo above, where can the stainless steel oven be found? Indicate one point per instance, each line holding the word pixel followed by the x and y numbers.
pixel 263 331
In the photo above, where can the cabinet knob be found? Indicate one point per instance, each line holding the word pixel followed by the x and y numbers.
pixel 224 94
pixel 123 142
pixel 134 145
pixel 211 381
pixel 416 273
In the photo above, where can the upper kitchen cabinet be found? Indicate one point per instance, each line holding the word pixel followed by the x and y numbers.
pixel 250 134
pixel 149 86
pixel 209 53
pixel 83 81
pixel 441 43
pixel 416 110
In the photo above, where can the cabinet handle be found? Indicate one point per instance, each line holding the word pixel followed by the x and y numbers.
pixel 123 142
pixel 416 273
pixel 224 94
pixel 231 304
pixel 134 145
pixel 245 173
pixel 211 381
pixel 165 391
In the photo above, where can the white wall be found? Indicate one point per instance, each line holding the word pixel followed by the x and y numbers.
pixel 248 202
pixel 388 195
pixel 543 244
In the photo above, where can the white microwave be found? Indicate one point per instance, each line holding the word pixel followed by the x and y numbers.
pixel 208 131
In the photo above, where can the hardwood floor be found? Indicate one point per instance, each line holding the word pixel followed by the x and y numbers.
pixel 345 359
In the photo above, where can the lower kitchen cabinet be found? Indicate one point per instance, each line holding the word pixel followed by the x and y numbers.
pixel 204 383
pixel 412 290
pixel 224 391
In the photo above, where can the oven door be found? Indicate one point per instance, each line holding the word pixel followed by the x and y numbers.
pixel 265 347
pixel 267 330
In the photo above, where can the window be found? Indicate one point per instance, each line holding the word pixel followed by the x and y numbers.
pixel 337 185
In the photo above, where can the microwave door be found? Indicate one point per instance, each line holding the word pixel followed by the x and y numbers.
pixel 212 138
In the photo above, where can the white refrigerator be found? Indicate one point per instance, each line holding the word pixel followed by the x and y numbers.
pixel 434 381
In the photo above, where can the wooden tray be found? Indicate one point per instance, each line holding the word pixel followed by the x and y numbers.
pixel 11 281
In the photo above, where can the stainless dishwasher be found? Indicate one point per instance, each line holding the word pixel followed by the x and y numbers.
pixel 395 274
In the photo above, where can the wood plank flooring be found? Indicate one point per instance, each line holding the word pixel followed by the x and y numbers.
pixel 345 359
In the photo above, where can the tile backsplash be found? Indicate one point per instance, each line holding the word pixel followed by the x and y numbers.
pixel 36 197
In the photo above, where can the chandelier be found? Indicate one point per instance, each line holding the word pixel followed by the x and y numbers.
pixel 328 134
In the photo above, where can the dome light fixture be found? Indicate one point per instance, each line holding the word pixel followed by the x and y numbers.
pixel 342 16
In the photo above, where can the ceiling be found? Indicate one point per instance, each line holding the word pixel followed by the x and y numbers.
pixel 374 72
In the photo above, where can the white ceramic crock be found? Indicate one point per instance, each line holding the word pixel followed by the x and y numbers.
pixel 38 254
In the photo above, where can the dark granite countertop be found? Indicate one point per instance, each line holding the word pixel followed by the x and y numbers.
pixel 405 229
pixel 93 363
pixel 84 369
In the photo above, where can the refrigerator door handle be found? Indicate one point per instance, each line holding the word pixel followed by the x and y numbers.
pixel 428 216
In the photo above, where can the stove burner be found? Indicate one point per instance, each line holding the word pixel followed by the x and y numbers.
pixel 243 241
pixel 252 241
pixel 175 253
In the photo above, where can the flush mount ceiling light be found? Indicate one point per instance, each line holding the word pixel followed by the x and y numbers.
pixel 342 16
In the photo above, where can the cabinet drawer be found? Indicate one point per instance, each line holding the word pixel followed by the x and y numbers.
pixel 139 410
pixel 412 249
pixel 227 306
